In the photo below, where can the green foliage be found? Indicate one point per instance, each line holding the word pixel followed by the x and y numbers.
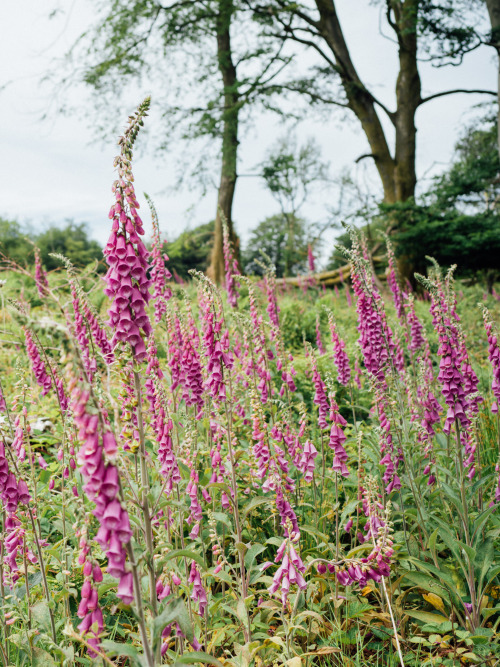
pixel 472 241
pixel 72 241
pixel 457 220
pixel 283 238
pixel 472 182
pixel 13 243
pixel 191 250
pixel 290 171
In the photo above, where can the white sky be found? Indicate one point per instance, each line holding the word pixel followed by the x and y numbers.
pixel 51 170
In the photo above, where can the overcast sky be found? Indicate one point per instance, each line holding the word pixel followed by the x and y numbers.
pixel 52 170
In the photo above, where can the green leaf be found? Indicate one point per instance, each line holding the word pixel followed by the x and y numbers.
pixel 427 583
pixel 41 616
pixel 33 580
pixel 241 548
pixel 426 616
pixel 197 656
pixel 312 530
pixel 255 502
pixel 223 518
pixel 223 576
pixel 174 612
pixel 276 541
pixel 117 649
pixel 485 556
pixel 252 554
pixel 223 487
pixel 479 524
pixel 432 544
pixel 185 553
pixel 42 659
pixel 241 611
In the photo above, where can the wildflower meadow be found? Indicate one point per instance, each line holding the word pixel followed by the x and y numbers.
pixel 245 475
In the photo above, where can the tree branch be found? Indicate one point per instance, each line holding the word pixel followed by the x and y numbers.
pixel 455 91
pixel 301 91
pixel 365 155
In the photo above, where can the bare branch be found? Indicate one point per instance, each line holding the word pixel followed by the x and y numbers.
pixel 455 91
pixel 364 156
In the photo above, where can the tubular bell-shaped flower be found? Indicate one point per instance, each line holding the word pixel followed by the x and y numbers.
pixel 339 354
pixel 289 572
pixel 42 284
pixel 494 356
pixel 230 266
pixel 159 272
pixel 39 369
pixel 95 458
pixel 127 280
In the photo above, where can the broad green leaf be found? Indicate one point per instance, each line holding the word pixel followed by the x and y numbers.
pixel 252 554
pixel 255 502
pixel 185 553
pixel 426 616
pixel 223 518
pixel 42 659
pixel 175 611
pixel 222 486
pixel 116 648
pixel 197 657
pixel 222 575
pixel 241 611
pixel 41 615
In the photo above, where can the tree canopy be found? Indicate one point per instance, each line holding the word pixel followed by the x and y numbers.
pixel 209 64
pixel 72 240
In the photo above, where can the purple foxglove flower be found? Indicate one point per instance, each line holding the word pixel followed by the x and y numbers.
pixel 319 342
pixel 231 268
pixel 126 588
pixel 340 357
pixel 39 370
pixel 127 256
pixel 42 284
pixel 310 258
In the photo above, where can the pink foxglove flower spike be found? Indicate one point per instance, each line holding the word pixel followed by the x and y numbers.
pixel 127 279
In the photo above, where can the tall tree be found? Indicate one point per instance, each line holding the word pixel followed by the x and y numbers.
pixel 199 75
pixel 290 172
pixel 439 30
pixel 493 7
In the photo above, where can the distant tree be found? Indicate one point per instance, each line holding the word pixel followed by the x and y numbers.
pixel 272 236
pixel 206 66
pixel 458 219
pixel 291 172
pixel 472 183
pixel 493 39
pixel 70 240
pixel 441 30
pixel 191 250
pixel 13 242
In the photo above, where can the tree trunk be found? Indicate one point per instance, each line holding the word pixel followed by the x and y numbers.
pixel 358 97
pixel 228 174
pixel 408 98
pixel 494 14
